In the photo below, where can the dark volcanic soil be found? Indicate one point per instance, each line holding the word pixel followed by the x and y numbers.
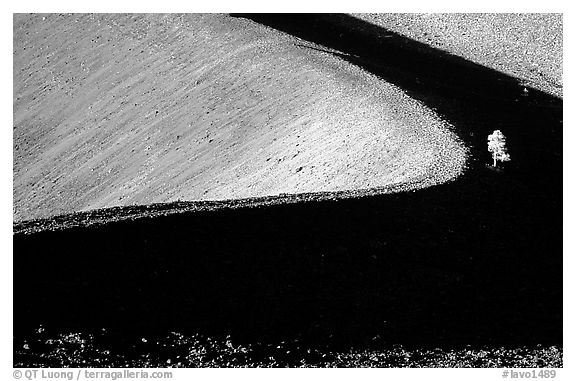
pixel 474 262
pixel 527 46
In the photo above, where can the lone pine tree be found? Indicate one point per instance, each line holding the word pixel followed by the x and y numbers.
pixel 497 146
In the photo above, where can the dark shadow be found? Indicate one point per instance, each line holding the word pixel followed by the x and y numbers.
pixel 401 60
pixel 476 99
pixel 457 264
pixel 477 261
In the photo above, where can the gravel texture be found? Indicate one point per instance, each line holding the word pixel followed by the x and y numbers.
pixel 196 351
pixel 140 109
pixel 526 46
pixel 432 265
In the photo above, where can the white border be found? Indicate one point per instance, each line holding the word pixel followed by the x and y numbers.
pixel 293 6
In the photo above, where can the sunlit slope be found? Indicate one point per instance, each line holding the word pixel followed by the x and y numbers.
pixel 122 109
pixel 527 46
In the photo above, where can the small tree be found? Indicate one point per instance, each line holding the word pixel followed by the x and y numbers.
pixel 497 146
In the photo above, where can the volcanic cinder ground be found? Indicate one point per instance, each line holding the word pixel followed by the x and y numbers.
pixel 116 110
pixel 527 46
